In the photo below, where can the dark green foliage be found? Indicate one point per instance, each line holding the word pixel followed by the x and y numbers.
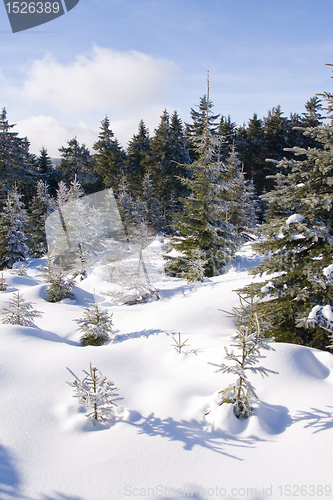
pixel 203 225
pixel 39 209
pixel 96 325
pixel 297 242
pixel 76 161
pixel 13 231
pixel 137 158
pixel 109 160
pixel 14 156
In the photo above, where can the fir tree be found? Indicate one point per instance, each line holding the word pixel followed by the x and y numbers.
pixel 137 158
pixel 13 226
pixel 3 284
pixel 203 224
pixel 14 152
pixel 19 312
pixel 297 242
pixel 60 286
pixel 45 170
pixel 40 209
pixel 76 161
pixel 95 326
pixel 96 392
pixel 248 341
pixel 109 160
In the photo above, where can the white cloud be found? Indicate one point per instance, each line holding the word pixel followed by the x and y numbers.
pixel 48 132
pixel 108 79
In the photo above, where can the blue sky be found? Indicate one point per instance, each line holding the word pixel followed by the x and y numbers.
pixel 133 59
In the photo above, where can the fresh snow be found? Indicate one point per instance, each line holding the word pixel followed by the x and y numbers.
pixel 294 218
pixel 163 446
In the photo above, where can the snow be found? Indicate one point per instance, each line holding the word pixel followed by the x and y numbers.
pixel 294 218
pixel 163 446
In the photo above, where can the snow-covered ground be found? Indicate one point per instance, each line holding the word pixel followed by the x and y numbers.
pixel 164 447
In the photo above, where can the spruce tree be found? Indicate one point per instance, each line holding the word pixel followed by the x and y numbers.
pixel 39 210
pixel 248 341
pixel 19 312
pixel 109 159
pixel 137 158
pixel 95 326
pixel 13 228
pixel 203 224
pixel 77 162
pixel 297 239
pixel 97 393
pixel 14 153
pixel 60 286
pixel 45 170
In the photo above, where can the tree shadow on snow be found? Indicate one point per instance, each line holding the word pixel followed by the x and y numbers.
pixel 136 335
pixel 319 420
pixel 190 433
pixel 185 290
pixel 9 478
pixel 60 496
pixel 35 331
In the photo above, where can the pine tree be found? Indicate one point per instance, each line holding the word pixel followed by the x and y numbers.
pixel 13 225
pixel 297 242
pixel 109 160
pixel 95 326
pixel 96 392
pixel 19 312
pixel 248 341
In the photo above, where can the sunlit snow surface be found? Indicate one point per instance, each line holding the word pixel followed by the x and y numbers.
pixel 164 446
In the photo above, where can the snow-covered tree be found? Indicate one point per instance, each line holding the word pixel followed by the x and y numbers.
pixel 297 239
pixel 19 312
pixel 203 224
pixel 248 342
pixel 97 393
pixel 96 325
pixel 60 285
pixel 3 284
pixel 40 209
pixel 77 161
pixel 75 230
pixel 14 151
pixel 13 227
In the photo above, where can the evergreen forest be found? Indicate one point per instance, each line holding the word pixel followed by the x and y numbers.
pixel 208 186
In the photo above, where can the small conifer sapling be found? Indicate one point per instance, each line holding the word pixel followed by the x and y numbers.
pixel 179 345
pixel 3 284
pixel 19 312
pixel 96 325
pixel 248 342
pixel 97 393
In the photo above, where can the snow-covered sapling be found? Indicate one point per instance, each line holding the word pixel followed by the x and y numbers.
pixel 21 269
pixel 248 342
pixel 19 312
pixel 179 345
pixel 97 393
pixel 3 284
pixel 60 286
pixel 96 325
